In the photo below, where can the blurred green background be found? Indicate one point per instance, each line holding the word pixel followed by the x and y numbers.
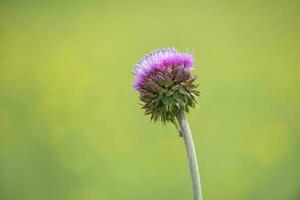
pixel 71 127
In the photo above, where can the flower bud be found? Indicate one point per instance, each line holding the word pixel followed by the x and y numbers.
pixel 163 79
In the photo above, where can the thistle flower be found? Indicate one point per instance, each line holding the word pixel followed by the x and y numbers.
pixel 165 84
pixel 167 90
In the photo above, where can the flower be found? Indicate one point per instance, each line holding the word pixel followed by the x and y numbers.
pixel 160 60
pixel 165 84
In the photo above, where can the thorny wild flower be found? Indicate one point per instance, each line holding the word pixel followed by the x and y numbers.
pixel 165 84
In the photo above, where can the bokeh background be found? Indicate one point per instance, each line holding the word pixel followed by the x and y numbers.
pixel 71 127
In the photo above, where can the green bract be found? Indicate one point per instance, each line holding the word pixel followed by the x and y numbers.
pixel 167 91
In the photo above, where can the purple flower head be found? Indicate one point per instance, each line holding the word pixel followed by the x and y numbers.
pixel 165 84
pixel 160 60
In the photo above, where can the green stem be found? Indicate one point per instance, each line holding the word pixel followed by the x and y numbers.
pixel 191 153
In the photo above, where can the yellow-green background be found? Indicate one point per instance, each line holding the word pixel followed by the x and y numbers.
pixel 71 127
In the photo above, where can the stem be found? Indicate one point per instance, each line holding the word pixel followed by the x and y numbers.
pixel 191 153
